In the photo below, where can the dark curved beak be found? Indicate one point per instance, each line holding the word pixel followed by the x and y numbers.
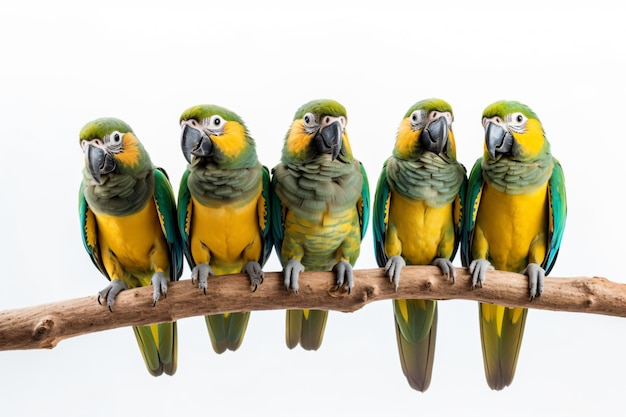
pixel 329 139
pixel 435 137
pixel 99 162
pixel 195 142
pixel 498 140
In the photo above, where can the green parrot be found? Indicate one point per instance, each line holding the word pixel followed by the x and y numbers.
pixel 320 209
pixel 417 221
pixel 223 204
pixel 128 220
pixel 514 221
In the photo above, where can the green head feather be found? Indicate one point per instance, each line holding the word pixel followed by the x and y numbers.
pixel 503 107
pixel 99 128
pixel 203 111
pixel 322 107
pixel 430 104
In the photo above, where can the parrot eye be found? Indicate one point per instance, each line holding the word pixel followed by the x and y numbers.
pixel 516 122
pixel 418 119
pixel 310 120
pixel 114 140
pixel 214 123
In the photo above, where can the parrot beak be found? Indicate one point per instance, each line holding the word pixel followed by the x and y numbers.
pixel 99 162
pixel 329 139
pixel 435 136
pixel 195 142
pixel 498 140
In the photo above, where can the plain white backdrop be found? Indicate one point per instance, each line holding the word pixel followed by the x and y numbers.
pixel 65 63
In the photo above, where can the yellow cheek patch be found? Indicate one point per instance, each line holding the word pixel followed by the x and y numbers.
pixel 407 137
pixel 232 141
pixel 298 140
pixel 130 153
pixel 532 140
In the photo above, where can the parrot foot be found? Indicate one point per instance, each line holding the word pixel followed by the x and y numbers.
pixel 159 282
pixel 478 268
pixel 536 275
pixel 447 268
pixel 200 275
pixel 343 270
pixel 255 272
pixel 392 269
pixel 291 272
pixel 111 291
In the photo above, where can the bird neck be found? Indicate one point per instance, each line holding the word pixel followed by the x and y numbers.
pixel 517 177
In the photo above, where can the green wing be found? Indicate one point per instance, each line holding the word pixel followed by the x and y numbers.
pixel 184 216
pixel 381 216
pixel 363 205
pixel 470 211
pixel 265 218
pixel 89 229
pixel 277 219
pixel 166 207
pixel 558 213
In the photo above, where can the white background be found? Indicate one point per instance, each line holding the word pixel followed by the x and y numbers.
pixel 65 63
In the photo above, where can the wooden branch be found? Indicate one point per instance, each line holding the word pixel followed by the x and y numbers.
pixel 46 325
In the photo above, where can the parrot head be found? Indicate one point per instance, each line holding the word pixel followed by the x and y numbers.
pixel 214 134
pixel 110 145
pixel 513 130
pixel 318 129
pixel 427 126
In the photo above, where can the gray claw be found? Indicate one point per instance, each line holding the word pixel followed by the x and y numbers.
pixel 392 269
pixel 343 271
pixel 478 268
pixel 536 275
pixel 291 272
pixel 447 268
pixel 111 291
pixel 255 273
pixel 159 282
pixel 200 275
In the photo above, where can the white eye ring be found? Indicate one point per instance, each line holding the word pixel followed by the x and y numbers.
pixel 216 122
pixel 115 137
pixel 309 120
pixel 418 118
pixel 516 121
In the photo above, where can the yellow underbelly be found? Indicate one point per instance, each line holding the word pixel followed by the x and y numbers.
pixel 225 237
pixel 133 247
pixel 511 230
pixel 418 232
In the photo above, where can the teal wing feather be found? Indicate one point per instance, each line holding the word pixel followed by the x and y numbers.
pixel 558 213
pixel 166 207
pixel 380 216
pixel 277 219
pixel 363 205
pixel 184 216
pixel 89 232
pixel 459 207
pixel 474 189
pixel 266 221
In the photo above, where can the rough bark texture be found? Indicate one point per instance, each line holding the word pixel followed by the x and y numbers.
pixel 46 325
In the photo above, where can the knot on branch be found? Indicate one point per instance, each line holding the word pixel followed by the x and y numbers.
pixel 43 328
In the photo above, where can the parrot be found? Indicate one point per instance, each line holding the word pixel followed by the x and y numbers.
pixel 223 204
pixel 127 215
pixel 516 210
pixel 417 220
pixel 320 209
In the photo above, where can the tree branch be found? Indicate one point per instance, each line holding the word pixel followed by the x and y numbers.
pixel 46 325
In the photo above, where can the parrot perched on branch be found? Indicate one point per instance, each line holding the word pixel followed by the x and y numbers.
pixel 417 221
pixel 320 209
pixel 514 221
pixel 224 210
pixel 128 220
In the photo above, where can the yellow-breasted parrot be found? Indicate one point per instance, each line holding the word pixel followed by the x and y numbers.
pixel 128 219
pixel 514 221
pixel 417 221
pixel 320 208
pixel 223 204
